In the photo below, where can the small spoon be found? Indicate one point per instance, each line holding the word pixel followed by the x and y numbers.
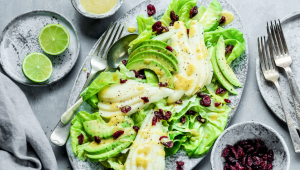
pixel 119 50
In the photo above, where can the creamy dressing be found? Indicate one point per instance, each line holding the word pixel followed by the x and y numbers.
pixel 229 17
pixel 98 6
pixel 131 29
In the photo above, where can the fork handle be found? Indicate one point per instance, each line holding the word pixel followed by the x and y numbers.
pixel 291 125
pixel 294 90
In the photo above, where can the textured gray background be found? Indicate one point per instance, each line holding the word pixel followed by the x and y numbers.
pixel 49 102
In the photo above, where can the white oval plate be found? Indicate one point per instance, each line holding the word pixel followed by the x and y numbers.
pixel 240 67
pixel 291 28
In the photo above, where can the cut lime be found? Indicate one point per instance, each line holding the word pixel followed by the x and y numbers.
pixel 54 39
pixel 37 67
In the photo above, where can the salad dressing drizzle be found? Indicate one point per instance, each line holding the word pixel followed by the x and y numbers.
pixel 229 17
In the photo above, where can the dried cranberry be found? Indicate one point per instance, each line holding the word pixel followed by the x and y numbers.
pixel 166 29
pixel 145 99
pixel 154 120
pixel 171 23
pixel 227 100
pixel 163 137
pixel 229 48
pixel 218 104
pixel 188 31
pixel 160 84
pixel 179 163
pixel 173 16
pixel 225 152
pixel 249 161
pixel 245 142
pixel 123 81
pixel 193 12
pixel 206 101
pixel 183 120
pixel 248 167
pixel 240 151
pixel 97 139
pixel 169 48
pixel 136 128
pixel 269 166
pixel 80 139
pixel 244 160
pixel 233 150
pixel 136 73
pixel 87 75
pixel 157 27
pixel 222 20
pixel 270 155
pixel 232 167
pixel 190 112
pixel 200 119
pixel 200 94
pixel 124 62
pixel 118 134
pixel 179 168
pixel 151 10
pixel 239 166
pixel 231 159
pixel 179 102
pixel 125 109
pixel 168 144
pixel 168 115
pixel 256 160
pixel 250 150
pixel 221 90
pixel 158 115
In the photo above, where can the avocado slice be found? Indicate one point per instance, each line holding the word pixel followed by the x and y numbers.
pixel 161 71
pixel 211 17
pixel 223 65
pixel 103 130
pixel 160 57
pixel 156 43
pixel 110 147
pixel 217 72
pixel 154 48
pixel 151 77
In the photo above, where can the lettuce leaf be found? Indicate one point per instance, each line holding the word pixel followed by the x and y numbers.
pixel 231 36
pixel 145 35
pixel 175 6
pixel 151 78
pixel 93 101
pixel 211 17
pixel 144 23
pixel 184 13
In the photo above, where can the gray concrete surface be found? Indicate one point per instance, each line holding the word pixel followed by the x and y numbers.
pixel 49 102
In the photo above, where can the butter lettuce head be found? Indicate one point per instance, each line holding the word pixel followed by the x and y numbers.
pixel 231 36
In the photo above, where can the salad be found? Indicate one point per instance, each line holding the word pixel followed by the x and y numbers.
pixel 172 93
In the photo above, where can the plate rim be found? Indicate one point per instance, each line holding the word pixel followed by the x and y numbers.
pixel 245 35
pixel 258 71
pixel 28 13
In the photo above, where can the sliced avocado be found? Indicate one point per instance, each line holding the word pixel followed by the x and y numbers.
pixel 223 65
pixel 110 147
pixel 161 71
pixel 151 77
pixel 218 73
pixel 159 57
pixel 103 130
pixel 211 17
pixel 154 48
pixel 156 43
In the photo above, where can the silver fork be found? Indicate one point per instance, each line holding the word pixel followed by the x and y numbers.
pixel 284 60
pixel 60 134
pixel 98 63
pixel 270 72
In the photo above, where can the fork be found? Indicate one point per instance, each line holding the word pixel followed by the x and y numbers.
pixel 60 134
pixel 270 72
pixel 284 60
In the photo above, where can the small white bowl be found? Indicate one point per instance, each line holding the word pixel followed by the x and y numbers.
pixel 81 10
pixel 251 130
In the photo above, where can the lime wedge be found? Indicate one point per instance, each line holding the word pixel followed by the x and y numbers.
pixel 54 39
pixel 37 67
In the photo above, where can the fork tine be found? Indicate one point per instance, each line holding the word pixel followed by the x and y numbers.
pixel 121 32
pixel 267 55
pixel 262 66
pixel 272 58
pixel 104 44
pixel 113 38
pixel 101 42
pixel 278 39
pixel 283 39
pixel 264 54
pixel 276 49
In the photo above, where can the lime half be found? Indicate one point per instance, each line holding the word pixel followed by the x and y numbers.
pixel 37 67
pixel 54 39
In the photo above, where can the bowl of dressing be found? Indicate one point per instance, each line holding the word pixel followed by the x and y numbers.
pixel 97 9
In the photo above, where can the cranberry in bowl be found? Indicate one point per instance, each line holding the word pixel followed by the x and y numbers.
pixel 235 137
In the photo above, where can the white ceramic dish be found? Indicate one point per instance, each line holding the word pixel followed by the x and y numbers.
pixel 251 130
pixel 81 10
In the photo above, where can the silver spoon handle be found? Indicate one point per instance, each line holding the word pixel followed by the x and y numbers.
pixel 289 120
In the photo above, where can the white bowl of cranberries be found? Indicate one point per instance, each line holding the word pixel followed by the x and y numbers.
pixel 250 146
